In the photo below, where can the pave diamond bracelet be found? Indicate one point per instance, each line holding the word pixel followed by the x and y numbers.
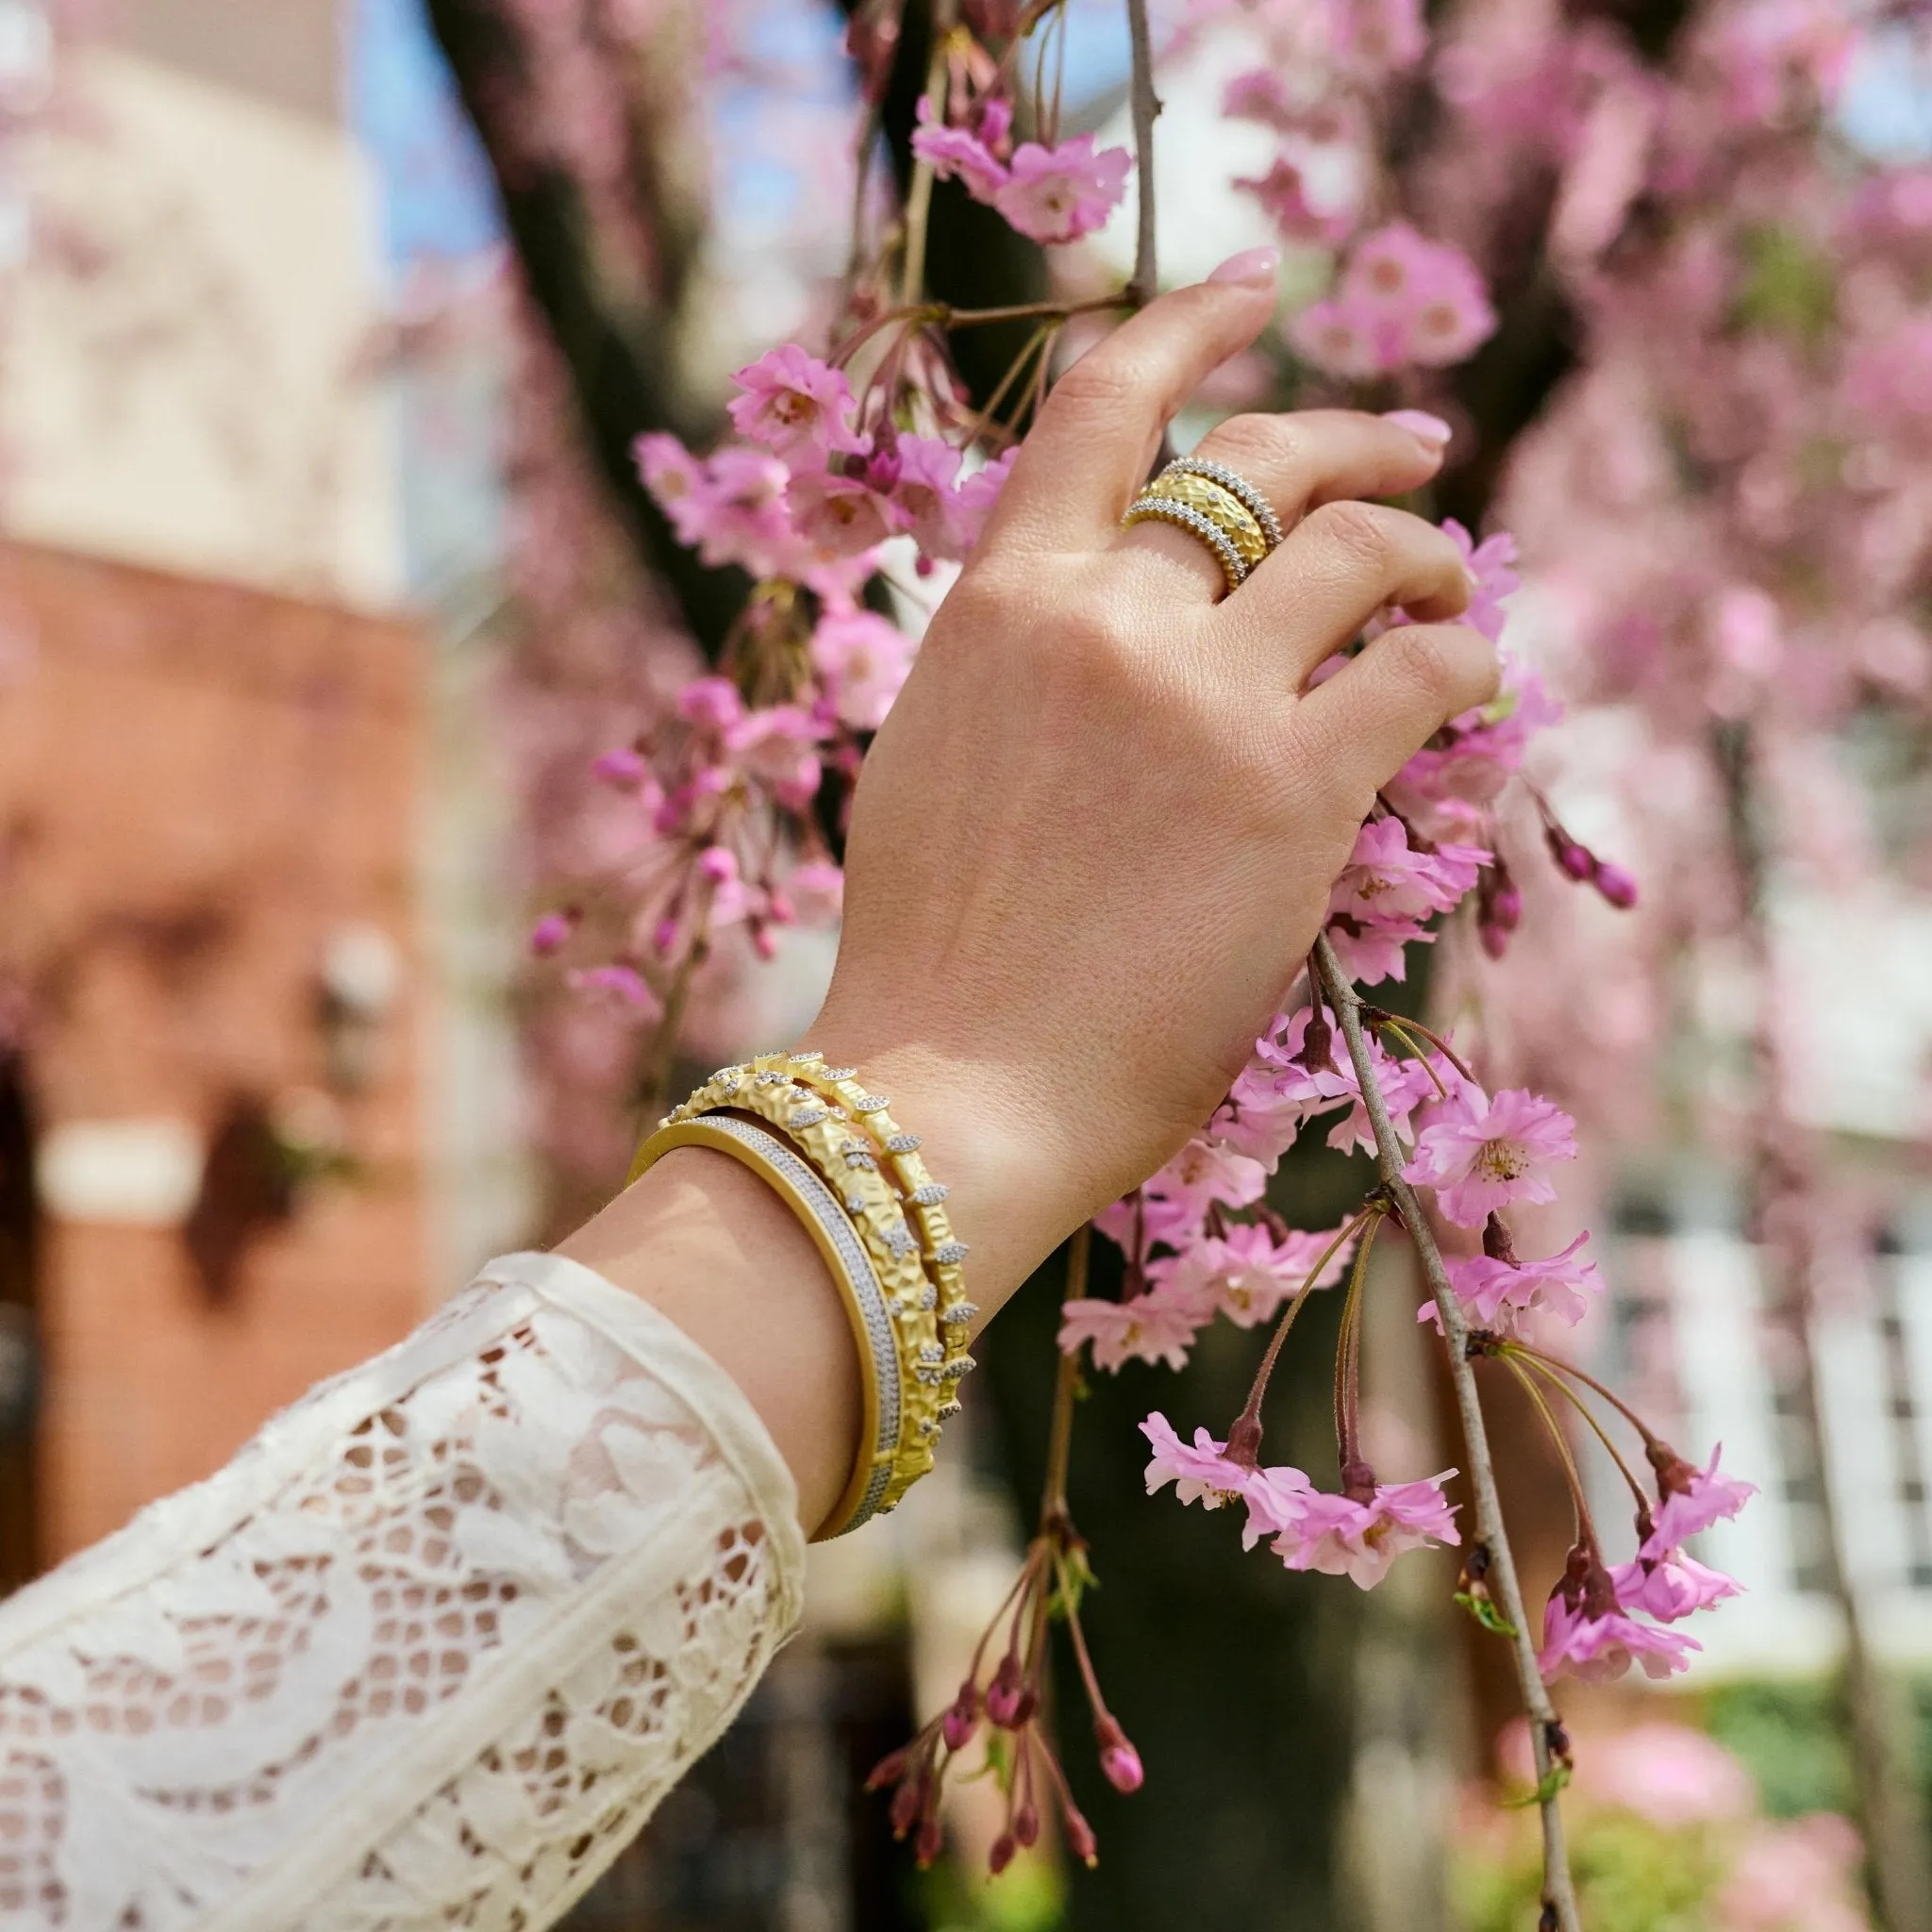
pixel 906 1299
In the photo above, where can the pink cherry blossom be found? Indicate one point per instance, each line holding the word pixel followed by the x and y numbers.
pixel 864 660
pixel 1278 1498
pixel 1202 1172
pixel 1343 1536
pixel 1246 1274
pixel 1257 1119
pixel 1693 1500
pixel 1492 563
pixel 776 748
pixel 1060 193
pixel 957 154
pixel 1494 1294
pixel 1283 193
pixel 836 514
pixel 731 509
pixel 1669 1773
pixel 1402 302
pixel 1799 1875
pixel 711 702
pixel 622 982
pixel 1386 880
pixel 1200 1475
pixel 1480 1153
pixel 795 405
pixel 1152 1327
pixel 1603 1647
pixel 1672 1589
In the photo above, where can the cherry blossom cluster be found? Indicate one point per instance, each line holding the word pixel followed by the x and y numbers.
pixel 1190 1258
pixel 1399 300
pixel 731 799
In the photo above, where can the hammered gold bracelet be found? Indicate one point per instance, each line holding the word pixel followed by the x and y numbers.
pixel 878 1219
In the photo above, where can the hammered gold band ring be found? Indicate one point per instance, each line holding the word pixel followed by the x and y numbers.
pixel 1216 506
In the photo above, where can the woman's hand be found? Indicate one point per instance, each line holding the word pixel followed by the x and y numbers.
pixel 1095 838
pixel 1090 848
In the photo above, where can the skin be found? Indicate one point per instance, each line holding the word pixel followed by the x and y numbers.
pixel 1090 848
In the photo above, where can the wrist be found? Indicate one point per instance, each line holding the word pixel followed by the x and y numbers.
pixel 1012 1196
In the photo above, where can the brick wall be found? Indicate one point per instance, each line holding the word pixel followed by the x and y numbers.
pixel 198 786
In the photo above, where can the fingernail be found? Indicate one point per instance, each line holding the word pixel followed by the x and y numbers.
pixel 1254 267
pixel 1422 426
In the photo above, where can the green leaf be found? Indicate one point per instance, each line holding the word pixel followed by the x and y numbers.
pixel 1483 1608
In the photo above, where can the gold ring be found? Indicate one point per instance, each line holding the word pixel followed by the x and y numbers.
pixel 1215 505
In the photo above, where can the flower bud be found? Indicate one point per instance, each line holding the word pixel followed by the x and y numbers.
pixel 1009 1702
pixel 962 1717
pixel 552 931
pixel 622 766
pixel 908 1801
pixel 1117 1757
pixel 1575 860
pixel 665 937
pixel 1616 885
pixel 718 864
pixel 1027 1822
pixel 1080 1839
pixel 889 1769
pixel 1001 1856
pixel 925 1846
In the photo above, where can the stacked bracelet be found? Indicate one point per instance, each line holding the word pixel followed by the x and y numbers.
pixel 856 1181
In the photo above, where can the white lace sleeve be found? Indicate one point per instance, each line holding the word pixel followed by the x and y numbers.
pixel 425 1654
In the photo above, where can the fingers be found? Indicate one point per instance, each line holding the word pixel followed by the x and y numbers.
pixel 1343 563
pixel 1364 724
pixel 1297 461
pixel 1098 431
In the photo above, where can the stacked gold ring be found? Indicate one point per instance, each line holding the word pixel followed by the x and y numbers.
pixel 1215 505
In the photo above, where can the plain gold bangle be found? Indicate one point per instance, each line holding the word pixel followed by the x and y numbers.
pixel 823 1219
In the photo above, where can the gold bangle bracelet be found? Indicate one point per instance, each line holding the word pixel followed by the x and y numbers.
pixel 823 1219
pixel 827 1131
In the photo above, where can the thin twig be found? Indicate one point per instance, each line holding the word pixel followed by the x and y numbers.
pixel 1558 1891
pixel 1146 281
pixel 1052 1494
pixel 919 193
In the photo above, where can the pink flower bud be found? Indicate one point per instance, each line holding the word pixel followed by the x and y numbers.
pixel 551 932
pixel 908 1801
pixel 1008 1700
pixel 925 1846
pixel 665 937
pixel 1080 1839
pixel 1117 1757
pixel 1575 860
pixel 1001 1856
pixel 962 1717
pixel 712 701
pixel 882 470
pixel 1616 885
pixel 763 943
pixel 889 1769
pixel 718 863
pixel 622 766
pixel 1026 1824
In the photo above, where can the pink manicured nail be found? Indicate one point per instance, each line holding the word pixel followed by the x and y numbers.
pixel 1422 426
pixel 1254 266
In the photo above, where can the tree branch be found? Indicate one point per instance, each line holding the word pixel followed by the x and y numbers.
pixel 1144 284
pixel 616 339
pixel 1557 1889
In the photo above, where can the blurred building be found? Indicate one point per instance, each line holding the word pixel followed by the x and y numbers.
pixel 213 734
